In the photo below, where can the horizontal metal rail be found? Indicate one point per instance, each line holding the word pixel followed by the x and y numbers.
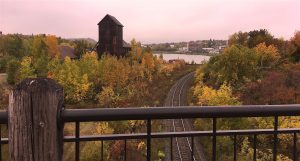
pixel 114 114
pixel 173 134
pixel 179 134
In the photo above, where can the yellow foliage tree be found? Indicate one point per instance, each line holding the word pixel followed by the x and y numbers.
pixel 211 97
pixel 148 63
pixel 114 72
pixel 76 86
pixel 108 98
pixel 26 69
pixel 268 55
pixel 89 65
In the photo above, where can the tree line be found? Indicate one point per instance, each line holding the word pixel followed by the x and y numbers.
pixel 106 81
pixel 258 69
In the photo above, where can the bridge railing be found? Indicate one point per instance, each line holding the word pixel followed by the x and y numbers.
pixel 39 115
pixel 154 113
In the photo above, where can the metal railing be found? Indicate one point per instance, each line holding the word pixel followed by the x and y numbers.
pixel 157 113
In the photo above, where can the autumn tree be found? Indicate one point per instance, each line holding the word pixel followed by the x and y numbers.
pixel 237 65
pixel 89 65
pixel 40 56
pixel 268 55
pixel 76 86
pixel 136 52
pixel 252 38
pixel 114 72
pixel 52 45
pixel 149 66
pixel 240 38
pixel 26 69
pixel 277 87
pixel 208 96
pixel 211 97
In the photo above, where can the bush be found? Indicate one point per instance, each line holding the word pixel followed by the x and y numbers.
pixel 3 63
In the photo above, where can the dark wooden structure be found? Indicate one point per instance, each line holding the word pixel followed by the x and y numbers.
pixel 111 37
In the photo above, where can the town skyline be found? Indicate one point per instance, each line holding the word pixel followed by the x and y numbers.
pixel 151 22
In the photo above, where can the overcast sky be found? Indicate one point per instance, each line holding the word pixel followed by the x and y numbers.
pixel 151 21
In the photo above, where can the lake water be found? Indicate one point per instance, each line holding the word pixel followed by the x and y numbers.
pixel 198 59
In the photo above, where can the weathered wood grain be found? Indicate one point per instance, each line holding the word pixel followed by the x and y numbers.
pixel 35 133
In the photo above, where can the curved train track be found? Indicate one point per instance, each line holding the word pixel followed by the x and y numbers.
pixel 181 147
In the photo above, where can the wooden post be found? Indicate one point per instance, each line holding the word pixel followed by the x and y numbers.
pixel 35 131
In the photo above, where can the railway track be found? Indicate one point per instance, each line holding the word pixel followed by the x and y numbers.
pixel 182 147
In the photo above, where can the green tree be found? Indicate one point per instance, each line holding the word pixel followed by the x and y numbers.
pixel 81 47
pixel 4 61
pixel 240 38
pixel 259 36
pixel 13 67
pixel 40 56
pixel 252 38
pixel 13 45
pixel 295 45
pixel 236 66
pixel 38 47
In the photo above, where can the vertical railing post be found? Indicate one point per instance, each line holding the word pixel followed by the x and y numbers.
pixel 77 137
pixel 275 138
pixel 234 147
pixel 295 147
pixel 254 146
pixel 149 140
pixel 35 130
pixel 0 145
pixel 214 141
pixel 171 146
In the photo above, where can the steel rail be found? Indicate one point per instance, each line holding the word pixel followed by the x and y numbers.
pixel 179 102
pixel 174 128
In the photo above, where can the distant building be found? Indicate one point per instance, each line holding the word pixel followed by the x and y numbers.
pixel 111 37
pixel 65 51
pixel 184 49
pixel 195 46
pixel 211 50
